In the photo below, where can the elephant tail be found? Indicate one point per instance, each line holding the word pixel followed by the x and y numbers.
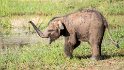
pixel 113 41
pixel 109 34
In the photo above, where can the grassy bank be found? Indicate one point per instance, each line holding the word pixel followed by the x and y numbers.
pixel 47 7
pixel 51 57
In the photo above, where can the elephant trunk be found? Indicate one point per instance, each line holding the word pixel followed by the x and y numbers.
pixel 37 30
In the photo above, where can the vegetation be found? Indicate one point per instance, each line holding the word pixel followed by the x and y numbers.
pixel 41 56
pixel 46 7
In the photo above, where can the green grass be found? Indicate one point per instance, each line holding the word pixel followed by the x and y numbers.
pixel 51 57
pixel 20 7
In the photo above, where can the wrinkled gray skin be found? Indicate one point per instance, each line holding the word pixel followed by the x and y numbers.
pixel 83 25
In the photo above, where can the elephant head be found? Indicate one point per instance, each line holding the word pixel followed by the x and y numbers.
pixel 53 31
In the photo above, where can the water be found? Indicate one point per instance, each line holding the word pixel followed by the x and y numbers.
pixel 21 32
pixel 19 39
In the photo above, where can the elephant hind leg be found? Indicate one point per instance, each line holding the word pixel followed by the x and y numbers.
pixel 96 48
pixel 96 52
pixel 95 40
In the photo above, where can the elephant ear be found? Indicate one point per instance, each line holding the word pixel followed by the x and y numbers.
pixel 61 26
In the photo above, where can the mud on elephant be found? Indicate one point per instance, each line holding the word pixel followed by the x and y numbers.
pixel 83 25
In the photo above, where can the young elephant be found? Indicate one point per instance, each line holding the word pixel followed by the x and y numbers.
pixel 84 25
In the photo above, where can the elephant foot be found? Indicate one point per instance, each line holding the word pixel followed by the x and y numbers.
pixel 69 56
pixel 96 58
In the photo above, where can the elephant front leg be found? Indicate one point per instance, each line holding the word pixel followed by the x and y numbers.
pixel 68 50
pixel 69 46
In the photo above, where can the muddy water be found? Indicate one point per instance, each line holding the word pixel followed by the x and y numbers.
pixel 21 32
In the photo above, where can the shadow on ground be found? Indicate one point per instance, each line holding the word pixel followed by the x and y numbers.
pixel 104 56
